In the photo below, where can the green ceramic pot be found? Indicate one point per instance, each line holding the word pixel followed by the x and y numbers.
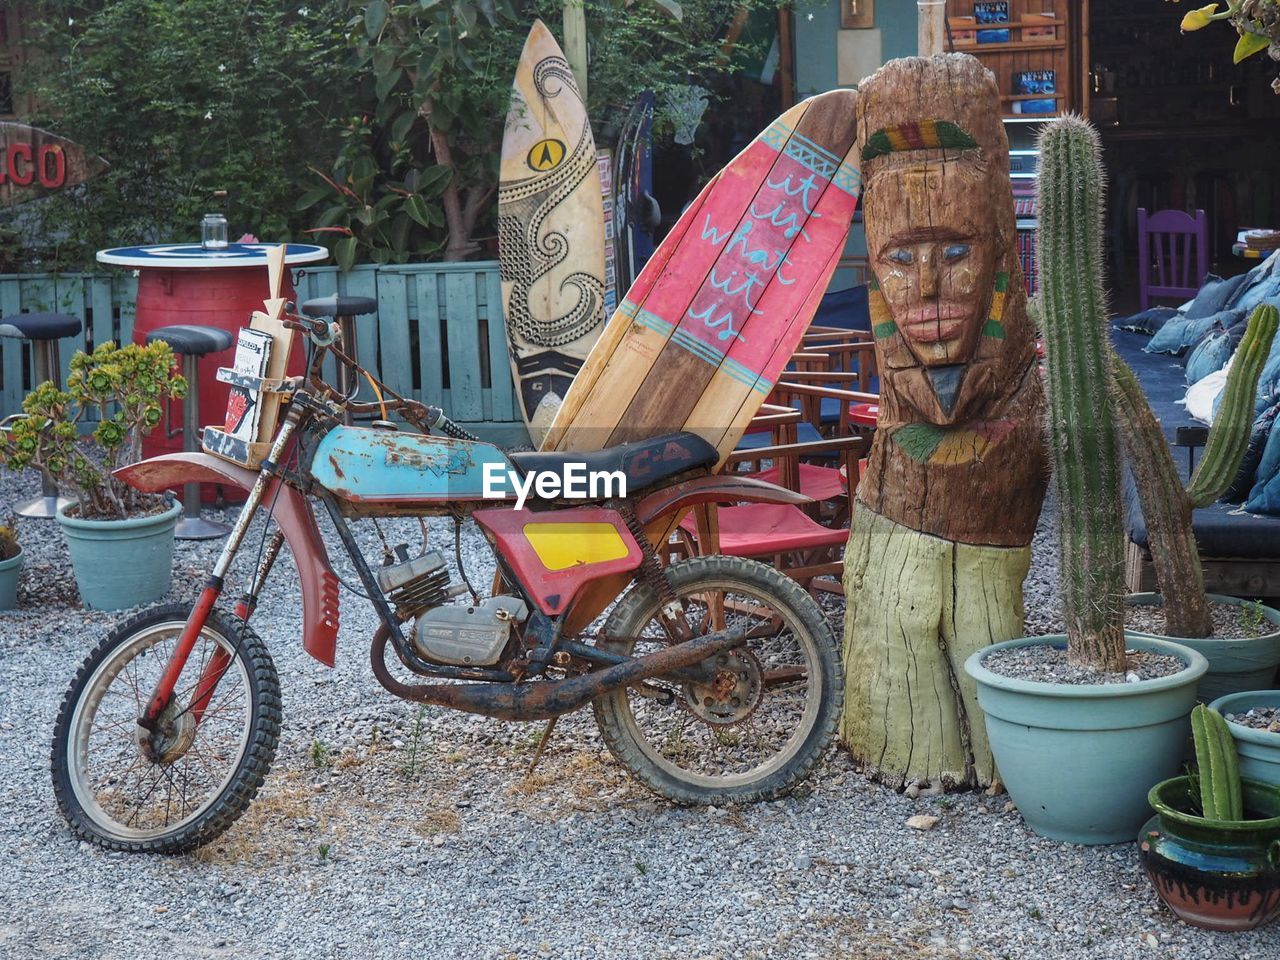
pixel 10 571
pixel 1078 760
pixel 1259 750
pixel 1235 663
pixel 121 563
pixel 1222 875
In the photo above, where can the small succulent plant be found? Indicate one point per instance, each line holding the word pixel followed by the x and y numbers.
pixel 123 388
pixel 1256 21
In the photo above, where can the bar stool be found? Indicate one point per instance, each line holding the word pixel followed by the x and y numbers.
pixel 345 310
pixel 43 330
pixel 192 342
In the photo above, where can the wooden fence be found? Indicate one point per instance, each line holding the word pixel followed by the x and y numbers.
pixel 438 336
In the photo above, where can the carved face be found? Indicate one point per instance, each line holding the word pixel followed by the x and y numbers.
pixel 934 262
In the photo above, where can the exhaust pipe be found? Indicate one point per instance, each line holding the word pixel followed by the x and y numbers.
pixel 544 699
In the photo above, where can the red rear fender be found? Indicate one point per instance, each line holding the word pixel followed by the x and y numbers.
pixel 292 512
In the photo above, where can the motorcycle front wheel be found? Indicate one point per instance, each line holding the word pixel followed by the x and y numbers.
pixel 768 710
pixel 167 791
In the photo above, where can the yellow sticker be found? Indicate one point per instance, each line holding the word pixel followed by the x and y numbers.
pixel 563 545
pixel 546 155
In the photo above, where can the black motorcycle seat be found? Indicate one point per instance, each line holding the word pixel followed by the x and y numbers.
pixel 644 463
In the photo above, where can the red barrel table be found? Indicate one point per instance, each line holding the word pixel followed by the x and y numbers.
pixel 185 283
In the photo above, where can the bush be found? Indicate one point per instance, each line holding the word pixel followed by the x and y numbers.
pixel 183 99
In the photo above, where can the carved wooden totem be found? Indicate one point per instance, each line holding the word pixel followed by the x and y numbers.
pixel 939 546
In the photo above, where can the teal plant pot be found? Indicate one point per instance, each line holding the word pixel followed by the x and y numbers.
pixel 1235 663
pixel 1259 750
pixel 1221 875
pixel 1078 760
pixel 121 563
pixel 10 571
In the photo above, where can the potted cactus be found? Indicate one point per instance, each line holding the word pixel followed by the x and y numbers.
pixel 1212 851
pixel 1253 717
pixel 1083 725
pixel 10 566
pixel 121 540
pixel 1244 655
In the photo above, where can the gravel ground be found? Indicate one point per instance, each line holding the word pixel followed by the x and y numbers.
pixel 386 831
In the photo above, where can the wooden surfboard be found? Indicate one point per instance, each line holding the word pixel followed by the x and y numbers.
pixel 550 231
pixel 713 318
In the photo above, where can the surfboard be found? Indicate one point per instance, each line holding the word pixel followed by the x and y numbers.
pixel 550 231
pixel 713 318
pixel 633 180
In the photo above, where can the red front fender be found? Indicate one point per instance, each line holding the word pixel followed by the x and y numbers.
pixel 291 511
pixel 717 488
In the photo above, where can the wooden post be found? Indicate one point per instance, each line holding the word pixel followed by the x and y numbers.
pixel 575 42
pixel 931 30
pixel 947 506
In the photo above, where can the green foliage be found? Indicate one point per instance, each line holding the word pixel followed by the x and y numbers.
pixel 1252 615
pixel 126 387
pixel 417 173
pixel 9 545
pixel 183 99
pixel 1085 442
pixel 1256 21
pixel 1218 767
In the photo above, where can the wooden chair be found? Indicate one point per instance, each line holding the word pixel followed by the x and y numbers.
pixel 805 543
pixel 1168 240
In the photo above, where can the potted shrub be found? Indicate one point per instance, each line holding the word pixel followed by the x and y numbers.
pixel 1253 717
pixel 1212 851
pixel 1240 640
pixel 1083 725
pixel 10 566
pixel 121 540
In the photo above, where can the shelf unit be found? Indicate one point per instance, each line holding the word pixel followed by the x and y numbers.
pixel 1058 51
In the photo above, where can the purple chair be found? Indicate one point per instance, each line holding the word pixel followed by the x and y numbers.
pixel 1166 240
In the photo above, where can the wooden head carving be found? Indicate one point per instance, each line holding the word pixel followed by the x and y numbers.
pixel 948 307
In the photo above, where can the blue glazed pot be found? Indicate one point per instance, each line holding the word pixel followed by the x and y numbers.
pixel 1259 750
pixel 1078 760
pixel 121 563
pixel 10 571
pixel 1235 663
pixel 1221 875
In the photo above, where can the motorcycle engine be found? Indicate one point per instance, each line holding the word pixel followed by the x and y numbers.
pixel 468 636
pixel 453 633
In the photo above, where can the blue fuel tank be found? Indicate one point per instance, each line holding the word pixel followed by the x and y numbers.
pixel 385 466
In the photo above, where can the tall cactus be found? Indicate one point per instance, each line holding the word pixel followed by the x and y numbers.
pixel 1085 443
pixel 1221 796
pixel 1165 504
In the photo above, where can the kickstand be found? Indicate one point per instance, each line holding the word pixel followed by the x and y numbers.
pixel 542 745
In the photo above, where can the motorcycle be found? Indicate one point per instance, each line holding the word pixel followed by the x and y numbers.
pixel 713 679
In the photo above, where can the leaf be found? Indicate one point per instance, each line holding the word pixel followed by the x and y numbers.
pixel 312 197
pixel 1198 19
pixel 1248 45
pixel 486 7
pixel 345 253
pixel 435 179
pixel 416 207
pixel 387 81
pixel 375 17
pixel 402 125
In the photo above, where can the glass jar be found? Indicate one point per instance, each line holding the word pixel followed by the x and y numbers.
pixel 213 232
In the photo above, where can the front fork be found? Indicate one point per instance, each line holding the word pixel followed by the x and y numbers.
pixel 218 663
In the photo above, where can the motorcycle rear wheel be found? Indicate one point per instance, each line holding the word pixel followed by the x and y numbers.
pixel 120 796
pixel 764 729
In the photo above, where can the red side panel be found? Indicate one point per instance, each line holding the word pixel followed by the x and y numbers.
pixel 292 512
pixel 554 590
